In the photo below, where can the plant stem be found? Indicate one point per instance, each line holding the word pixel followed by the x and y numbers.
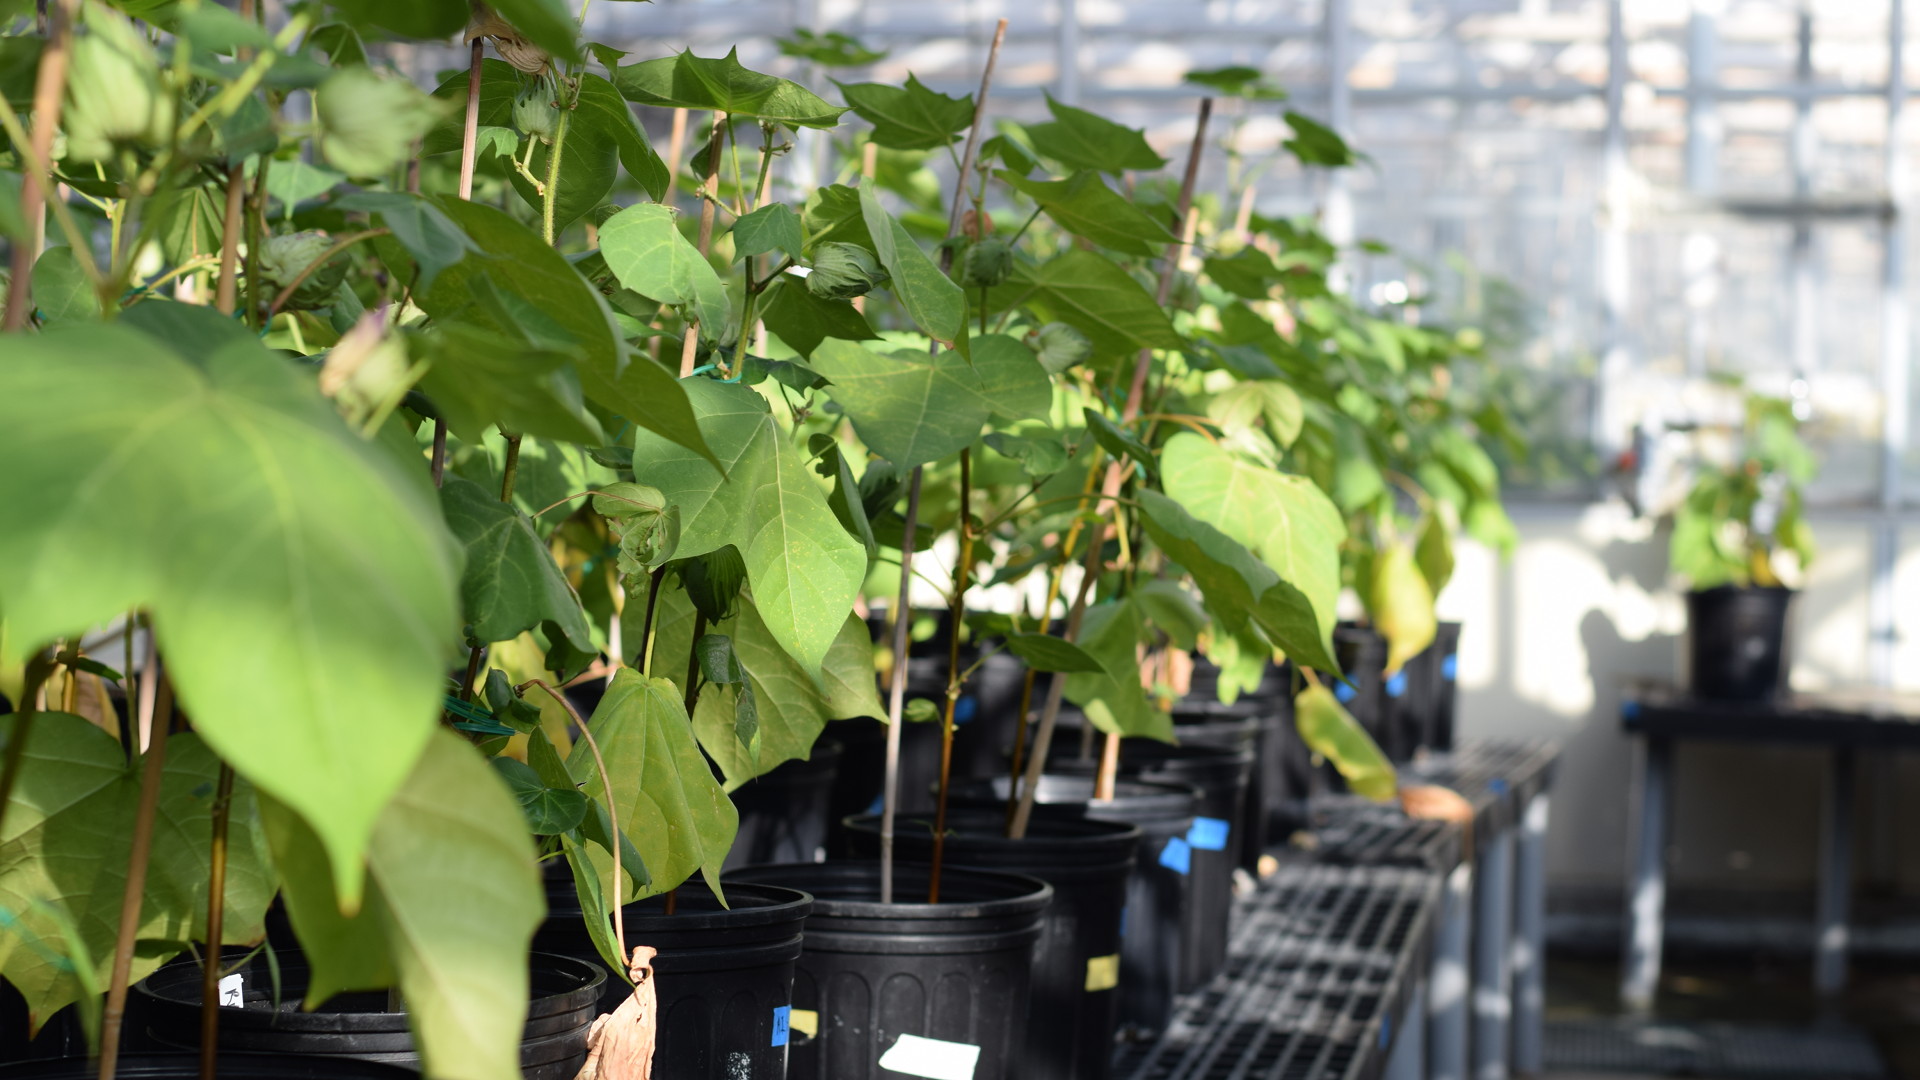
pixel 550 197
pixel 470 134
pixel 216 920
pixel 227 293
pixel 690 342
pixel 956 678
pixel 138 856
pixel 25 710
pixel 645 663
pixel 510 468
pixel 439 460
pixel 897 690
pixel 49 88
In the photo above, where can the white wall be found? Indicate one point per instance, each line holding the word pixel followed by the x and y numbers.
pixel 1583 607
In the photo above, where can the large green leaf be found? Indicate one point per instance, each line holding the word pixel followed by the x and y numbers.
pixel 773 227
pixel 934 303
pixel 546 23
pixel 1011 378
pixel 510 584
pixel 803 320
pixel 452 901
pixel 664 793
pixel 420 226
pixel 480 378
pixel 63 857
pixel 1401 604
pixel 226 497
pixel 1283 519
pixel 1079 139
pixel 909 117
pixel 910 408
pixel 803 566
pixel 1043 652
pixel 1330 730
pixel 1085 206
pixel 525 290
pixel 1091 294
pixel 415 18
pixel 61 291
pixel 687 81
pixel 645 249
pixel 1113 698
pixel 1239 587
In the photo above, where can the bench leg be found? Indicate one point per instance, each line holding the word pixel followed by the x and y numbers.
pixel 1409 1058
pixel 1836 877
pixel 1530 940
pixel 1447 990
pixel 1493 956
pixel 1647 878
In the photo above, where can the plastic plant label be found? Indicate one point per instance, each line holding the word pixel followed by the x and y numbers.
pixel 233 990
pixel 1344 692
pixel 804 1021
pixel 782 1015
pixel 1103 972
pixel 1397 685
pixel 1177 856
pixel 934 1059
pixel 1209 834
pixel 1450 667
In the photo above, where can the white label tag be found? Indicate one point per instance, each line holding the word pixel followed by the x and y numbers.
pixel 931 1058
pixel 233 990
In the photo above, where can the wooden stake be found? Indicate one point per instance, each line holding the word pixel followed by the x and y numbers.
pixel 114 1017
pixel 896 695
pixel 49 88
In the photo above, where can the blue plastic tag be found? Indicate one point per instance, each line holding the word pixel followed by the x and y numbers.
pixel 1123 921
pixel 1209 834
pixel 781 1015
pixel 1344 692
pixel 1497 785
pixel 963 710
pixel 1398 684
pixel 878 805
pixel 1449 668
pixel 1177 856
pixel 1386 1031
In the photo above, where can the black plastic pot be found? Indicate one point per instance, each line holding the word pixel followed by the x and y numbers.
pixel 856 788
pixel 1158 894
pixel 1425 692
pixel 1736 641
pixel 565 999
pixel 1076 964
pixel 233 1066
pixel 785 815
pixel 724 976
pixel 1250 723
pixel 871 973
pixel 1209 847
pixel 1446 688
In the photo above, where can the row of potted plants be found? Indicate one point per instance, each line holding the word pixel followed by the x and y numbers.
pixel 358 432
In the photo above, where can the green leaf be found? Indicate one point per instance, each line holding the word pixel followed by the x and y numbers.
pixel 831 49
pixel 480 379
pixel 909 117
pixel 510 584
pixel 1119 442
pixel 1316 144
pixel 1113 698
pixel 1247 273
pixel 934 303
pixel 13 225
pixel 294 182
pixel 1011 378
pixel 1085 206
pixel 421 19
pixel 1043 652
pixel 1282 519
pixel 1238 81
pixel 546 23
pixel 802 320
pixel 845 500
pixel 1248 404
pixel 549 811
pixel 63 858
pixel 431 237
pixel 603 112
pixel 452 831
pixel 1079 139
pixel 773 227
pixel 369 122
pixel 1038 456
pixel 833 215
pixel 518 264
pixel 1088 292
pixel 803 567
pixel 1174 611
pixel 314 554
pixel 1330 731
pixel 61 291
pixel 1401 605
pixel 645 249
pixel 186 221
pixel 594 909
pixel 687 81
pixel 910 408
pixel 1433 551
pixel 664 794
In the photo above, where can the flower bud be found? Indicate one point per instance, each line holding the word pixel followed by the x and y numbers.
pixel 368 122
pixel 713 582
pixel 986 263
pixel 1060 346
pixel 844 271
pixel 534 112
pixel 282 258
pixel 114 97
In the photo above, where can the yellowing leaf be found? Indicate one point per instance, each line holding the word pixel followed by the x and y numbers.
pixel 1401 605
pixel 1330 730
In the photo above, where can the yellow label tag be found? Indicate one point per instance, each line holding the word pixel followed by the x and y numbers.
pixel 804 1020
pixel 1103 972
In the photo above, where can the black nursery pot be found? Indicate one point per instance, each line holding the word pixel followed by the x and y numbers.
pixel 1250 723
pixel 1076 965
pixel 724 976
pixel 234 1066
pixel 871 973
pixel 1434 690
pixel 1208 849
pixel 1737 641
pixel 565 999
pixel 1159 893
pixel 785 815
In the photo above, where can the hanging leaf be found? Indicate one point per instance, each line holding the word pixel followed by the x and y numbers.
pixel 601 118
pixel 1332 732
pixel 934 303
pixel 510 583
pixel 452 831
pixel 1011 378
pixel 664 795
pixel 311 552
pixel 1079 139
pixel 796 316
pixel 645 250
pixel 63 859
pixel 1043 652
pixel 803 567
pixel 1401 605
pixel 431 237
pixel 1433 551
pixel 910 408
pixel 773 227
pixel 1085 206
pixel 546 23
pixel 549 811
pixel 1112 698
pixel 909 117
pixel 687 81
pixel 1091 294
pixel 1315 143
pixel 479 379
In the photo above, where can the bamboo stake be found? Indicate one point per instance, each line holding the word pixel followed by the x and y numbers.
pixel 897 690
pixel 691 342
pixel 216 927
pixel 114 1017
pixel 49 88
